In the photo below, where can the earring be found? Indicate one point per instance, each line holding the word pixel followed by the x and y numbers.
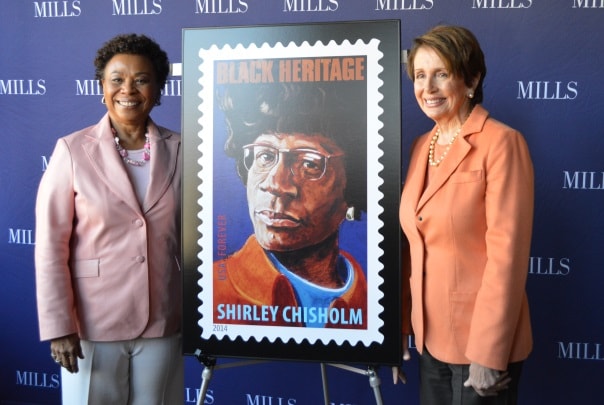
pixel 103 100
pixel 350 214
pixel 470 95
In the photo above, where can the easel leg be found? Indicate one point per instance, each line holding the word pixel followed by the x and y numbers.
pixel 325 386
pixel 374 380
pixel 209 362
pixel 206 376
pixel 210 365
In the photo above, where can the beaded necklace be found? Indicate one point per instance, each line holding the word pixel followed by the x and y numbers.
pixel 124 153
pixel 437 162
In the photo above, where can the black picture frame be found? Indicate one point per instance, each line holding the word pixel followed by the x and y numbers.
pixel 378 43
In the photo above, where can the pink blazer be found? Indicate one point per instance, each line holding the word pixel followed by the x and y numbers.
pixel 106 267
pixel 469 237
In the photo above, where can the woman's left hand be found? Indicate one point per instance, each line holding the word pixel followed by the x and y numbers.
pixel 486 381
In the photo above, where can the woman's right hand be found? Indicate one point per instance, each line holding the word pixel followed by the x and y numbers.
pixel 66 350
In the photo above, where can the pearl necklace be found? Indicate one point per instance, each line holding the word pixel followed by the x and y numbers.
pixel 431 160
pixel 124 153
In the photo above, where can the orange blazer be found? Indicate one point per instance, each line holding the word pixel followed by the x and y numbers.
pixel 107 267
pixel 469 235
pixel 248 277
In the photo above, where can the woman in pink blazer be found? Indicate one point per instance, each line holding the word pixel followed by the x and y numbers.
pixel 108 241
pixel 466 211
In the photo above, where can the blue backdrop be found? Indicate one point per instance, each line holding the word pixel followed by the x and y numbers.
pixel 544 78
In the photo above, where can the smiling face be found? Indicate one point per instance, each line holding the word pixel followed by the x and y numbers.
pixel 289 212
pixel 441 95
pixel 130 88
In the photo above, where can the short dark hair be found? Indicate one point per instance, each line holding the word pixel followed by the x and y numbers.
pixel 133 44
pixel 459 49
pixel 337 111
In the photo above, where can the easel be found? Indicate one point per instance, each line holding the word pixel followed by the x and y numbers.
pixel 371 372
pixel 210 365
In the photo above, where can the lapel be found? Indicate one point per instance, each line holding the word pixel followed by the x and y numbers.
pixel 108 164
pixel 164 153
pixel 456 155
pixel 416 176
pixel 111 171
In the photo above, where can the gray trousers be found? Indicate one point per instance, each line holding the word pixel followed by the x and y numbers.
pixel 131 372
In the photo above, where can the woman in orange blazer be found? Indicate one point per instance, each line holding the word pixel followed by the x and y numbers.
pixel 466 210
pixel 108 241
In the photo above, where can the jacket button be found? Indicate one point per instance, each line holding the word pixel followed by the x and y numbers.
pixel 140 259
pixel 138 222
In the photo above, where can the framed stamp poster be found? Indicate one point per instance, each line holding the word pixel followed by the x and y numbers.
pixel 291 183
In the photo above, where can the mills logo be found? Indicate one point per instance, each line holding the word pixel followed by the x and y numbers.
pixel 53 9
pixel 137 7
pixel 21 236
pixel 547 90
pixel 92 87
pixel 580 351
pixel 402 5
pixel 39 380
pixel 502 4
pixel 579 180
pixel 588 3
pixel 309 5
pixel 221 6
pixel 549 266
pixel 88 87
pixel 23 87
